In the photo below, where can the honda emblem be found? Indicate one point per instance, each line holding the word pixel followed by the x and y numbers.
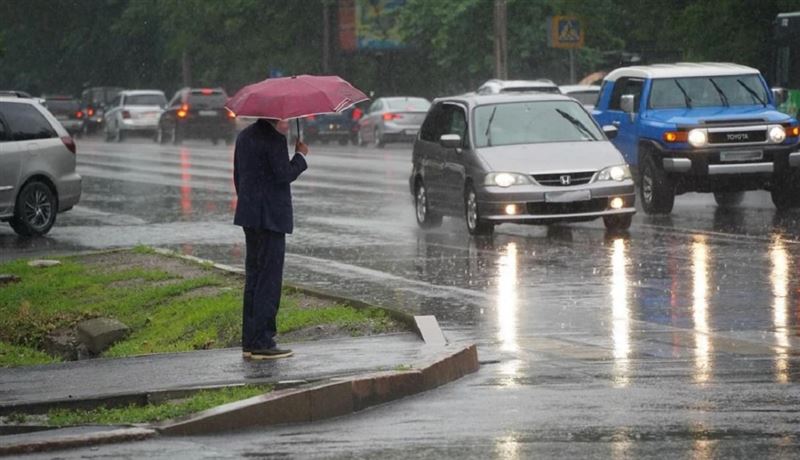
pixel 565 180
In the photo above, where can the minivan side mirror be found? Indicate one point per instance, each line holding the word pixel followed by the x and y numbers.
pixel 450 141
pixel 611 131
pixel 626 103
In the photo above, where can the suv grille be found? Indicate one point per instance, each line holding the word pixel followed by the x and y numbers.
pixel 565 179
pixel 737 137
pixel 593 205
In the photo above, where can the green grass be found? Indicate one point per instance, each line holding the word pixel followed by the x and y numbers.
pixel 166 312
pixel 155 412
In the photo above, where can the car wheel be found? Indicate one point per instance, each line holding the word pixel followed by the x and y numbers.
pixel 177 136
pixel 425 217
pixel 35 210
pixel 618 222
pixel 378 139
pixel 475 225
pixel 657 191
pixel 785 192
pixel 728 199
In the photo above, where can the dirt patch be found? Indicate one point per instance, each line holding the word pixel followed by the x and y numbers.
pixel 125 260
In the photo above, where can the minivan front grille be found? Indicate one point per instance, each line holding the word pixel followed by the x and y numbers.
pixel 564 179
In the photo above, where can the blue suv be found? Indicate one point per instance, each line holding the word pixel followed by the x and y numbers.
pixel 701 127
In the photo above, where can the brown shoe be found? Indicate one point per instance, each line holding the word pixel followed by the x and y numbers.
pixel 270 353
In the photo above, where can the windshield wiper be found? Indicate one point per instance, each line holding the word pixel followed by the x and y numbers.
pixel 722 96
pixel 752 93
pixel 577 124
pixel 488 133
pixel 686 99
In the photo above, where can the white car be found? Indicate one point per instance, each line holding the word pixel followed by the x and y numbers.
pixel 585 94
pixel 37 167
pixel 134 111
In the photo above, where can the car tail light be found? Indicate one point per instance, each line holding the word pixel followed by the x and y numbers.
pixel 183 111
pixel 357 113
pixel 79 114
pixel 90 111
pixel 231 114
pixel 207 91
pixel 391 116
pixel 69 143
pixel 126 114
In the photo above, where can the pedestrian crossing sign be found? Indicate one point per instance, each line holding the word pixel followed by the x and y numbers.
pixel 565 32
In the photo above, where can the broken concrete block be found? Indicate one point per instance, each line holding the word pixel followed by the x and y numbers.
pixel 100 333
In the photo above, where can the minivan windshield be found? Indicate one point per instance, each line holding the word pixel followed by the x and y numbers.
pixel 708 91
pixel 146 99
pixel 533 122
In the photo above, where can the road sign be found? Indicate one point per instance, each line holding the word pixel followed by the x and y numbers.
pixel 565 32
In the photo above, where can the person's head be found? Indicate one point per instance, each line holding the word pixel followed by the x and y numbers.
pixel 282 126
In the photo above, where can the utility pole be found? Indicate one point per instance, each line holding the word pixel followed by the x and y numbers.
pixel 500 40
pixel 186 67
pixel 326 37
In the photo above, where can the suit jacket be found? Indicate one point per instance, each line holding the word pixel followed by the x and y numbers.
pixel 262 173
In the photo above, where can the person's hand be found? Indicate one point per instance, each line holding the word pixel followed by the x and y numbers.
pixel 301 147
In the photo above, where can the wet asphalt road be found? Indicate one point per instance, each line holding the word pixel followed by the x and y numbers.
pixel 677 340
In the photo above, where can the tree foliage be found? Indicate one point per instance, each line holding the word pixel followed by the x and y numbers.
pixel 65 45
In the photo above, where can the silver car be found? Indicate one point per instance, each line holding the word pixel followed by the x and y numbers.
pixel 585 94
pixel 522 158
pixel 392 119
pixel 134 111
pixel 497 86
pixel 37 167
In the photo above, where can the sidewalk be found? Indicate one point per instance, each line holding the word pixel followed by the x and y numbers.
pixel 373 369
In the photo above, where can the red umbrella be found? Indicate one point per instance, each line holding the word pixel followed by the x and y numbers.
pixel 294 97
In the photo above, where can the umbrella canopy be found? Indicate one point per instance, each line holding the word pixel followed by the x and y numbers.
pixel 294 97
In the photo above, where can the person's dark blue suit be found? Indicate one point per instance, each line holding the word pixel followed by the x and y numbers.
pixel 262 173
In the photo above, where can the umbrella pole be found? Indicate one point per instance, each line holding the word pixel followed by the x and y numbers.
pixel 298 129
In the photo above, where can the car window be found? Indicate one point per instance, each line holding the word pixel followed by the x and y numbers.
pixel 434 124
pixel 145 99
pixel 585 97
pixel 205 100
pixel 376 106
pixel 455 121
pixel 707 91
pixel 533 122
pixel 626 86
pixel 409 104
pixel 26 122
pixel 116 102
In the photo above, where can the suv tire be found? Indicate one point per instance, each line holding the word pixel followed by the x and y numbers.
pixel 35 210
pixel 422 209
pixel 785 192
pixel 728 199
pixel 475 225
pixel 657 190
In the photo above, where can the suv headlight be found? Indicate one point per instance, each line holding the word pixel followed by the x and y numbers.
pixel 504 179
pixel 698 137
pixel 617 173
pixel 777 134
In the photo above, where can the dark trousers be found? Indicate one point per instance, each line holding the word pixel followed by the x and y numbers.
pixel 262 287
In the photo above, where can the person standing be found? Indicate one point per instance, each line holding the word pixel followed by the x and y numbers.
pixel 262 172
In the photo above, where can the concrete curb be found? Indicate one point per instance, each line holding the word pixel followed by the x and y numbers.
pixel 331 399
pixel 77 440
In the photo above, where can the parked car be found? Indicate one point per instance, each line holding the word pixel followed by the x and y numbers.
pixel 197 113
pixel 37 167
pixel 94 102
pixel 67 111
pixel 585 94
pixel 701 127
pixel 497 86
pixel 392 119
pixel 133 111
pixel 523 158
pixel 340 127
pixel 14 93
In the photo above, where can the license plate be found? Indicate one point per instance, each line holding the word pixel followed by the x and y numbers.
pixel 568 197
pixel 208 113
pixel 741 155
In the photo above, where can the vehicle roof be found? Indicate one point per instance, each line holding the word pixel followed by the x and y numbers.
pixel 403 97
pixel 24 100
pixel 473 99
pixel 578 88
pixel 138 92
pixel 538 83
pixel 681 69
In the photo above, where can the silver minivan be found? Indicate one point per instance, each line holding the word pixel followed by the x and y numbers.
pixel 37 167
pixel 521 158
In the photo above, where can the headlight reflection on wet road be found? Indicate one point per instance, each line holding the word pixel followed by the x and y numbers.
pixel 620 312
pixel 703 349
pixel 780 306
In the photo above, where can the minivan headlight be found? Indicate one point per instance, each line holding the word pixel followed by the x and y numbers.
pixel 616 173
pixel 504 179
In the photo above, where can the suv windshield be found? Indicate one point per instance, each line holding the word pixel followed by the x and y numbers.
pixel 411 104
pixel 215 100
pixel 146 99
pixel 533 122
pixel 707 92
